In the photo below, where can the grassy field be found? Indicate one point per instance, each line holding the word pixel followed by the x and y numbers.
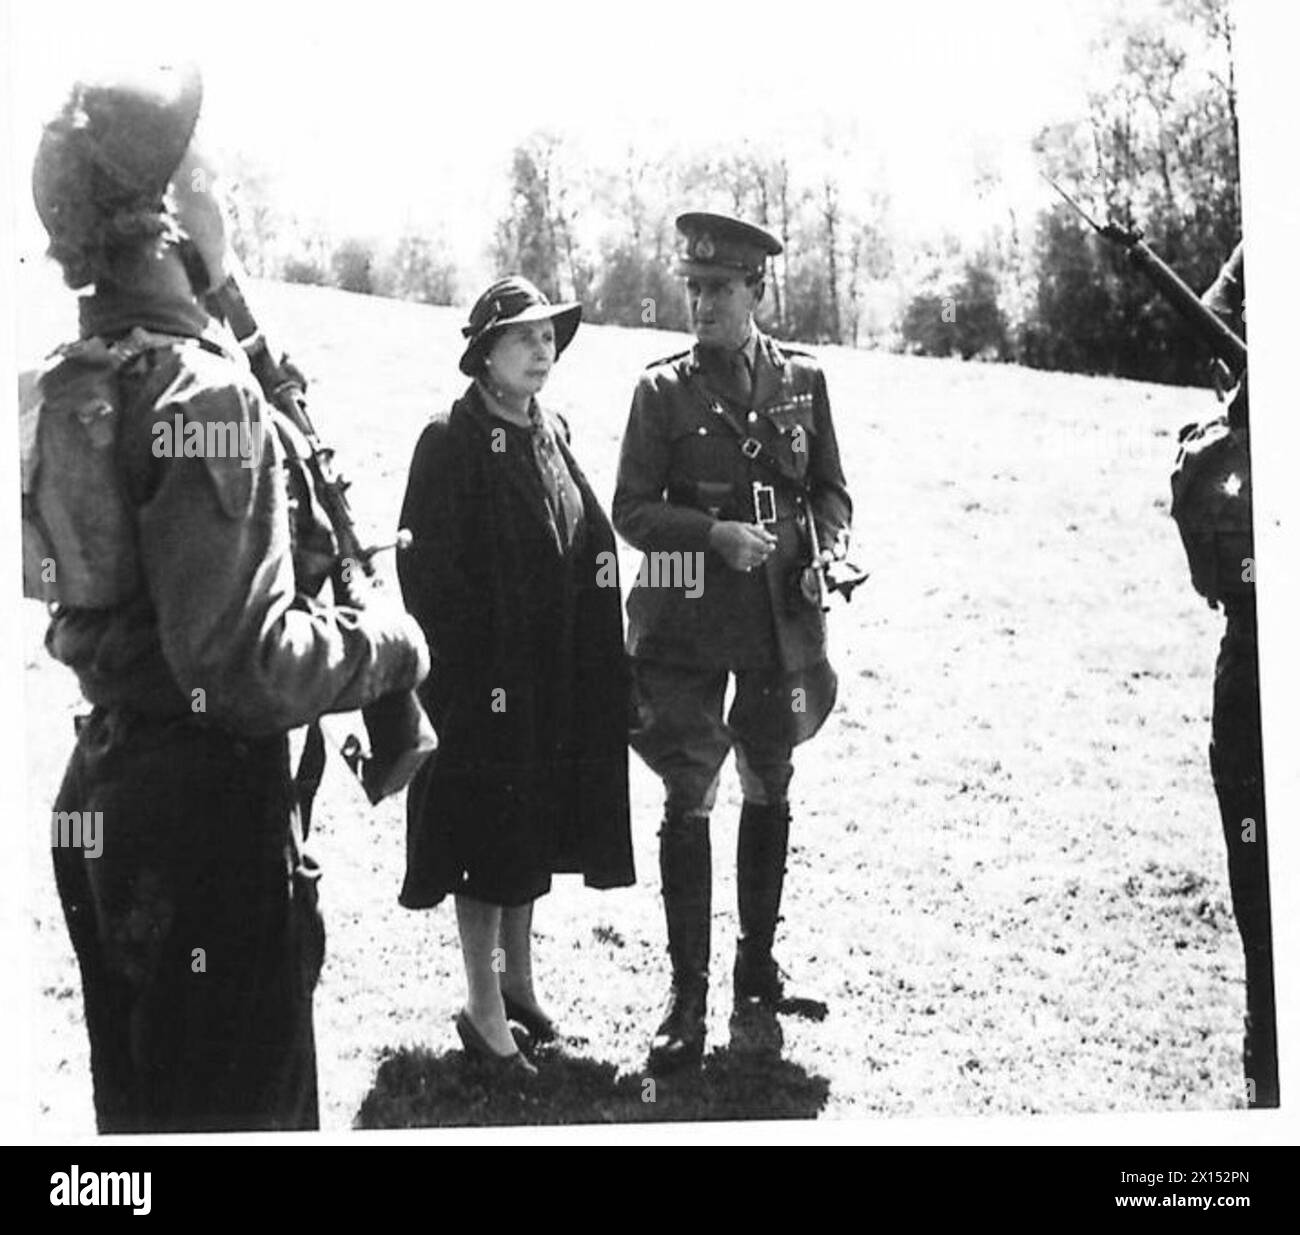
pixel 1007 879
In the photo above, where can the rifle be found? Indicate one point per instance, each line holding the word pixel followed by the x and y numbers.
pixel 400 734
pixel 1224 342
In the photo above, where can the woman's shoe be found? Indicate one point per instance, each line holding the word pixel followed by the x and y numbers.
pixel 476 1046
pixel 540 1026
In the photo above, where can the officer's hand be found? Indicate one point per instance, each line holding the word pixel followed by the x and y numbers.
pixel 810 584
pixel 743 546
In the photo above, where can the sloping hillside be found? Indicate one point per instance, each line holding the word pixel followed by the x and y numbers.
pixel 1007 878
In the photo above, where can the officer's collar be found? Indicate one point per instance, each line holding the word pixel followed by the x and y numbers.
pixel 757 340
pixel 111 312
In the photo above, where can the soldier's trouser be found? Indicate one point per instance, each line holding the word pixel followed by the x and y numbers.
pixel 683 738
pixel 1236 762
pixel 196 927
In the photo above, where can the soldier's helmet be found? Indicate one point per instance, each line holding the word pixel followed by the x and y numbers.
pixel 104 163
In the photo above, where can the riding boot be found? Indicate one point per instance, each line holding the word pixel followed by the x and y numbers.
pixel 1259 1054
pixel 760 872
pixel 686 871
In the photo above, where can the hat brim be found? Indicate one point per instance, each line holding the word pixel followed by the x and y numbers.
pixel 688 269
pixel 749 233
pixel 565 316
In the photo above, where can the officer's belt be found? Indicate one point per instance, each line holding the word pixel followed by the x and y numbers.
pixel 781 505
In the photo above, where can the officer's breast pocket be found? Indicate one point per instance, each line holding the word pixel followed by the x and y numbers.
pixel 796 429
pixel 700 449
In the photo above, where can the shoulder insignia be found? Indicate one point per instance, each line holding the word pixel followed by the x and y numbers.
pixel 676 356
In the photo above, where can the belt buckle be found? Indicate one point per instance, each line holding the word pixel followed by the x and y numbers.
pixel 751 447
pixel 764 504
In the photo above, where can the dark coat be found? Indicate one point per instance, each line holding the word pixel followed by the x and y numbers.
pixel 682 468
pixel 528 689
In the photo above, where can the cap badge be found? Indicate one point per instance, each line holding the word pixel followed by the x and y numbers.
pixel 704 249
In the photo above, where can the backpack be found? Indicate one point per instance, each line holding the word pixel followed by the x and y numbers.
pixel 1212 504
pixel 79 545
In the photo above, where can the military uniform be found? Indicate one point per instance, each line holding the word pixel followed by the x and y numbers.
pixel 1237 760
pixel 713 436
pixel 683 466
pixel 157 489
pixel 196 928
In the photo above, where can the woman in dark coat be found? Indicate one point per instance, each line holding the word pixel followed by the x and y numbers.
pixel 512 574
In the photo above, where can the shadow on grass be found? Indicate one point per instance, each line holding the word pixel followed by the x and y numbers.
pixel 415 1088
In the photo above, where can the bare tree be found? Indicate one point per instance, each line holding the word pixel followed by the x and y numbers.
pixel 781 193
pixel 830 219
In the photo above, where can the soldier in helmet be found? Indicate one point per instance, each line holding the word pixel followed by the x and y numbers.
pixel 178 599
pixel 729 457
pixel 1236 748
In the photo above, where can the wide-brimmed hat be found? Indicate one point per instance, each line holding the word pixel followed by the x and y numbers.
pixel 507 302
pixel 717 245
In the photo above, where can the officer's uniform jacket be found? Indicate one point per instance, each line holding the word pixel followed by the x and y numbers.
pixel 683 468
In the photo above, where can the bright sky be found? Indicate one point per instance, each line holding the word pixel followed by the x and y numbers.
pixel 381 114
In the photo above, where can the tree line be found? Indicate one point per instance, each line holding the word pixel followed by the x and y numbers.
pixel 1157 150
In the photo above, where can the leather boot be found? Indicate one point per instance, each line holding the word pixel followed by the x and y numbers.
pixel 1259 1059
pixel 1259 1053
pixel 760 873
pixel 686 870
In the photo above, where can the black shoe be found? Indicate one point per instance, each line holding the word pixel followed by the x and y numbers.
pixel 540 1027
pixel 755 1031
pixel 508 1067
pixel 756 976
pixel 679 1041
pixel 1259 1060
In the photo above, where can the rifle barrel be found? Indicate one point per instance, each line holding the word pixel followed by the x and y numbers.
pixel 1226 344
pixel 1220 338
pixel 401 736
pixel 286 393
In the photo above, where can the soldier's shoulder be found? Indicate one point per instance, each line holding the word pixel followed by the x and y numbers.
pixel 803 366
pixel 673 362
pixel 197 379
pixel 800 357
pixel 663 377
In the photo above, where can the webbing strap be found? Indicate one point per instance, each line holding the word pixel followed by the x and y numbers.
pixel 752 448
